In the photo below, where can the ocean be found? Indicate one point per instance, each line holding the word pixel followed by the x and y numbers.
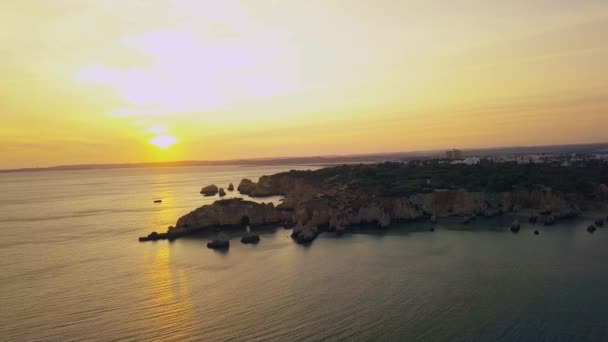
pixel 71 268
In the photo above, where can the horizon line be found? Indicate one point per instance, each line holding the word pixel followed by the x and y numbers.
pixel 251 161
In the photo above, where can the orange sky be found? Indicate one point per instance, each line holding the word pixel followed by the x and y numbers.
pixel 87 81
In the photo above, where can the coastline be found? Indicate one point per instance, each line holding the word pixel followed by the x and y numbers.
pixel 341 198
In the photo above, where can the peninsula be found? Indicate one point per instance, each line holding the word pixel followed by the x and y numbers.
pixel 339 198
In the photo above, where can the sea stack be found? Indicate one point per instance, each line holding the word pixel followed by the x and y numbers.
pixel 250 237
pixel 221 192
pixel 209 190
pixel 230 187
pixel 222 242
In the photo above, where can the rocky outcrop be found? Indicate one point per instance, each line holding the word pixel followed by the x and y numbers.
pixel 230 187
pixel 250 237
pixel 246 186
pixel 337 210
pixel 304 233
pixel 221 242
pixel 222 213
pixel 209 190
pixel 221 192
pixel 464 203
pixel 229 212
pixel 316 201
pixel 150 237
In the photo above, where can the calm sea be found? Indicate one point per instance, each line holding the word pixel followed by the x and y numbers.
pixel 71 268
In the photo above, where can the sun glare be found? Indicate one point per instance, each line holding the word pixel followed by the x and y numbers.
pixel 163 141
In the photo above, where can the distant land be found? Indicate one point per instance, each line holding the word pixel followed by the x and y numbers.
pixel 335 159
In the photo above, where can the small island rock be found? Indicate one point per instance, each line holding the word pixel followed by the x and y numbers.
pixel 250 237
pixel 221 192
pixel 209 190
pixel 222 242
pixel 230 187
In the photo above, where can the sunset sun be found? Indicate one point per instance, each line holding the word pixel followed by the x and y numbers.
pixel 163 141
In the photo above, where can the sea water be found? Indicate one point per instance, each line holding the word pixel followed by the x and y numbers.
pixel 71 268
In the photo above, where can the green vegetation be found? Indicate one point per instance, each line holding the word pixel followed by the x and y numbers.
pixel 404 179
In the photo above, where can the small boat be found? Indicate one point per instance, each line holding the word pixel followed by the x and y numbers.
pixel 158 201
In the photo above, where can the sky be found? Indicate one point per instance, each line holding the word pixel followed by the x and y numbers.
pixel 104 81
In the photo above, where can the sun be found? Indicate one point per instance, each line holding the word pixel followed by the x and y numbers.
pixel 163 141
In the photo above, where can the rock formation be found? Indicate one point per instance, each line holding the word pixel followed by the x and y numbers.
pixel 246 187
pixel 230 187
pixel 336 199
pixel 304 233
pixel 221 192
pixel 221 242
pixel 250 237
pixel 209 190
pixel 229 212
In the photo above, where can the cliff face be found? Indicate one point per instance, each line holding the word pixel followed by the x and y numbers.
pixel 312 203
pixel 463 203
pixel 229 213
pixel 313 200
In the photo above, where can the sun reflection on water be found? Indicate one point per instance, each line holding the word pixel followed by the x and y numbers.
pixel 167 292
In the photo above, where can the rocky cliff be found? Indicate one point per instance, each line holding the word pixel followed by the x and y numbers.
pixel 223 213
pixel 330 201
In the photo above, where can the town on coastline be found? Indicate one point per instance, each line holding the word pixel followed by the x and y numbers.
pixel 540 188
